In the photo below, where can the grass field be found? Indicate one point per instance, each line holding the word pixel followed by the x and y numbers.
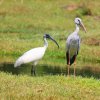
pixel 48 88
pixel 22 25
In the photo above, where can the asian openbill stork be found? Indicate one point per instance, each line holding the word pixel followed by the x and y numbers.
pixel 34 55
pixel 73 44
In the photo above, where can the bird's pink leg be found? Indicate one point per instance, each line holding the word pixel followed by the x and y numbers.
pixel 68 64
pixel 68 69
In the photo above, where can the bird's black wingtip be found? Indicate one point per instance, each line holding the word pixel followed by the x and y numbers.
pixel 71 60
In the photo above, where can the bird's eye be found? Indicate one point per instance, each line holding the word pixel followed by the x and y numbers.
pixel 78 20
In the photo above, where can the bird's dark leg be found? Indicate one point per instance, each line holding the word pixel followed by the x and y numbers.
pixel 33 71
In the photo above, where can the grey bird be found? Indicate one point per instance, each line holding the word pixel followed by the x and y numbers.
pixel 73 44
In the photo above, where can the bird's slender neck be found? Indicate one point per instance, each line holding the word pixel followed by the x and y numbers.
pixel 45 43
pixel 76 30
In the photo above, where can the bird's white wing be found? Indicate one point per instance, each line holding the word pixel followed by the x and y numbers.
pixel 33 54
pixel 30 56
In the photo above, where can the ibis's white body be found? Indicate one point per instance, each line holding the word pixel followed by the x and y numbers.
pixel 33 55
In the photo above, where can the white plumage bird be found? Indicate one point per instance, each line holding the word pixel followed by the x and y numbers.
pixel 34 55
pixel 73 44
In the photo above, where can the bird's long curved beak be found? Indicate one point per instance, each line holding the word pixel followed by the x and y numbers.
pixel 82 25
pixel 54 41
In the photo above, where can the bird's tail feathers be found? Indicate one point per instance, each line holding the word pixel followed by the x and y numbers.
pixel 72 59
pixel 18 63
pixel 67 57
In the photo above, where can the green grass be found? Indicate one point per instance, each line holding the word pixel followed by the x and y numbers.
pixel 22 27
pixel 22 24
pixel 48 87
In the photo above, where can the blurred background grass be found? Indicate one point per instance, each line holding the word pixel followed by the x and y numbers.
pixel 23 23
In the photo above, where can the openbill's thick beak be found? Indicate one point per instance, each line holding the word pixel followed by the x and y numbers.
pixel 83 27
